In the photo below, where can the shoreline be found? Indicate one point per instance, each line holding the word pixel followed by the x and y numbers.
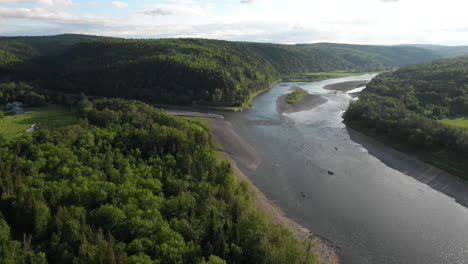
pixel 245 106
pixel 436 178
pixel 236 152
pixel 193 114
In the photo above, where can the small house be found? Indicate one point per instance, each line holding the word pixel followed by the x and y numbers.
pixel 17 110
pixel 9 106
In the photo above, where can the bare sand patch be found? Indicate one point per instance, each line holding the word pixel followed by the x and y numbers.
pixel 237 147
pixel 309 102
pixel 345 86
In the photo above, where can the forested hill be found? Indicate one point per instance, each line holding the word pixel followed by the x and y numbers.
pixel 405 106
pixel 188 71
pixel 444 51
pixel 30 47
pixel 436 89
pixel 7 58
pixel 375 56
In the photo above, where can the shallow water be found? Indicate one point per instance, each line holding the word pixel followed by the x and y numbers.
pixel 374 213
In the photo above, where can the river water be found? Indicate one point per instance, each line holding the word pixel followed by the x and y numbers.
pixel 374 213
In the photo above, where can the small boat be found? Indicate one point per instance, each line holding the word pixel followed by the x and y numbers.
pixel 331 173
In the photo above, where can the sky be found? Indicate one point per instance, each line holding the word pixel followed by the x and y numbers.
pixel 279 21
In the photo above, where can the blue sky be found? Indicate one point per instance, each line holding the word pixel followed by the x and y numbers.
pixel 279 21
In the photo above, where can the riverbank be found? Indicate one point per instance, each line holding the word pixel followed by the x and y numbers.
pixel 245 105
pixel 235 146
pixel 239 152
pixel 193 114
pixel 308 102
pixel 345 86
pixel 318 76
pixel 248 104
pixel 395 157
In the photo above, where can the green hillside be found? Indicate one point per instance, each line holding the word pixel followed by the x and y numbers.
pixel 293 59
pixel 404 107
pixel 164 71
pixel 444 51
pixel 373 57
pixel 7 58
pixel 193 71
pixel 30 47
pixel 436 90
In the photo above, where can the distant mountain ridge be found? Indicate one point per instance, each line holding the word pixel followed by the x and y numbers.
pixel 444 51
pixel 187 71
pixel 26 47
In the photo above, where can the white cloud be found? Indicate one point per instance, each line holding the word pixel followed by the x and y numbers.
pixel 13 2
pixel 358 21
pixel 174 10
pixel 55 3
pixel 118 4
pixel 48 15
pixel 253 1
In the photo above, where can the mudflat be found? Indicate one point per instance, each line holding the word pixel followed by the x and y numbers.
pixel 237 148
pixel 345 86
pixel 194 114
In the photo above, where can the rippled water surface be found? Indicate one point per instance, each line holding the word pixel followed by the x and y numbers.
pixel 374 213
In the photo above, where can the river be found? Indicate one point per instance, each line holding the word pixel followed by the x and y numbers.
pixel 374 213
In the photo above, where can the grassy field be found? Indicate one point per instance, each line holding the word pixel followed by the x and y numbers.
pixel 458 122
pixel 295 96
pixel 204 123
pixel 52 116
pixel 318 76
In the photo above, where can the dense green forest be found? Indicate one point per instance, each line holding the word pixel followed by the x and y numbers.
pixel 7 58
pixel 188 71
pixel 436 90
pixel 373 57
pixel 405 105
pixel 130 184
pixel 27 48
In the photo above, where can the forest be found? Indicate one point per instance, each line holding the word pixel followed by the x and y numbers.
pixel 185 71
pixel 405 106
pixel 26 48
pixel 129 184
pixel 7 58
